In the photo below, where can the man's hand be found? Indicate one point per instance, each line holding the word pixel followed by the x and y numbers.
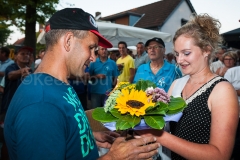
pixel 25 71
pixel 141 148
pixel 105 139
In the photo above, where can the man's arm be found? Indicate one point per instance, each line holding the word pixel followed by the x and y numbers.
pixel 132 74
pixel 13 75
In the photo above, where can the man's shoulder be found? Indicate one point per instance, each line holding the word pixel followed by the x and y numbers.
pixel 12 66
pixel 168 65
pixel 129 58
pixel 143 67
pixel 216 63
pixel 111 61
pixel 234 70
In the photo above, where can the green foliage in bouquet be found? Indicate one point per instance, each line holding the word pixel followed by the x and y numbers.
pixel 128 103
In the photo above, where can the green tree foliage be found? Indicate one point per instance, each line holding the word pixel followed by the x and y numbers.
pixel 4 33
pixel 25 13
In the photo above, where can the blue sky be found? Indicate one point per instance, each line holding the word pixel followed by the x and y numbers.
pixel 227 11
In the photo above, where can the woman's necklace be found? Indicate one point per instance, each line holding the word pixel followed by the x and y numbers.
pixel 187 94
pixel 193 85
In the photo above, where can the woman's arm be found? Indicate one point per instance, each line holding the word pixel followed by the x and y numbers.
pixel 224 119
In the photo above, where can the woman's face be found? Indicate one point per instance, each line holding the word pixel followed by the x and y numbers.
pixel 190 57
pixel 228 61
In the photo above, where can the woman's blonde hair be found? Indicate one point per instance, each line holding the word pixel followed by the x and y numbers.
pixel 204 30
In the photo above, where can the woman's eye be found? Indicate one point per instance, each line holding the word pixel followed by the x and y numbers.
pixel 186 53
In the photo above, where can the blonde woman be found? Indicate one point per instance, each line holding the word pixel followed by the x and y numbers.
pixel 208 125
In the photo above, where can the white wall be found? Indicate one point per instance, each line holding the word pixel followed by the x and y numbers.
pixel 173 23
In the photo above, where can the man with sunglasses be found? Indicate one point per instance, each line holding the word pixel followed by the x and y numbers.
pixel 157 70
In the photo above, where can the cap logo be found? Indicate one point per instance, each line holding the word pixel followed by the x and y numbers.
pixel 92 21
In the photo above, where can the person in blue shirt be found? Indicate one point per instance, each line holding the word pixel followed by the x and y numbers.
pixel 80 87
pixel 5 61
pixel 157 70
pixel 103 73
pixel 45 119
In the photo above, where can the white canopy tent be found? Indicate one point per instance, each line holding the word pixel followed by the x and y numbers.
pixel 116 32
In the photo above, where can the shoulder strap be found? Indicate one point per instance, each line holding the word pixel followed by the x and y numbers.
pixel 179 85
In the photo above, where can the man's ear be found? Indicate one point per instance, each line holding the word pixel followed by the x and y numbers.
pixel 68 41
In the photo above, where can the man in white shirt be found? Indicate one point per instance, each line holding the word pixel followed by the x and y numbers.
pixel 233 76
pixel 218 64
pixel 141 57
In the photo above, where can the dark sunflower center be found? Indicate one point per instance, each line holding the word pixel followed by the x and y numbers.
pixel 135 104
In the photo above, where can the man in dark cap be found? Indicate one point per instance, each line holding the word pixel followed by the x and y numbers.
pixel 157 70
pixel 45 119
pixel 14 74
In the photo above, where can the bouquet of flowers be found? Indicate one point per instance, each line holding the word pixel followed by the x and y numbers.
pixel 128 105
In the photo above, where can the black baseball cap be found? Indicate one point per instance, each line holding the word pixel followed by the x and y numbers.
pixel 159 40
pixel 76 19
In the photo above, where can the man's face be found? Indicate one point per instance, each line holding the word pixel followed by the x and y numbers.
pixel 82 54
pixel 23 56
pixel 102 52
pixel 140 48
pixel 122 49
pixel 155 51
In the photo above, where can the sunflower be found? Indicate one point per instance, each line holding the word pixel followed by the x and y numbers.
pixel 134 102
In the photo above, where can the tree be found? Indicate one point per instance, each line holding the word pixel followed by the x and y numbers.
pixel 25 13
pixel 4 33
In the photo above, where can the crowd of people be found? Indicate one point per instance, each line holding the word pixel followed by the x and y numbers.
pixel 43 101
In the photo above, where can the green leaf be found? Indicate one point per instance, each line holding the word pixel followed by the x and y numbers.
pixel 144 84
pixel 149 108
pixel 176 103
pixel 160 109
pixel 157 111
pixel 170 112
pixel 156 121
pixel 116 113
pixel 122 125
pixel 134 121
pixel 100 115
pixel 162 105
pixel 151 84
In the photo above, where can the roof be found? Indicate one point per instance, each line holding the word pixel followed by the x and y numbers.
pixel 19 42
pixel 235 31
pixel 154 14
